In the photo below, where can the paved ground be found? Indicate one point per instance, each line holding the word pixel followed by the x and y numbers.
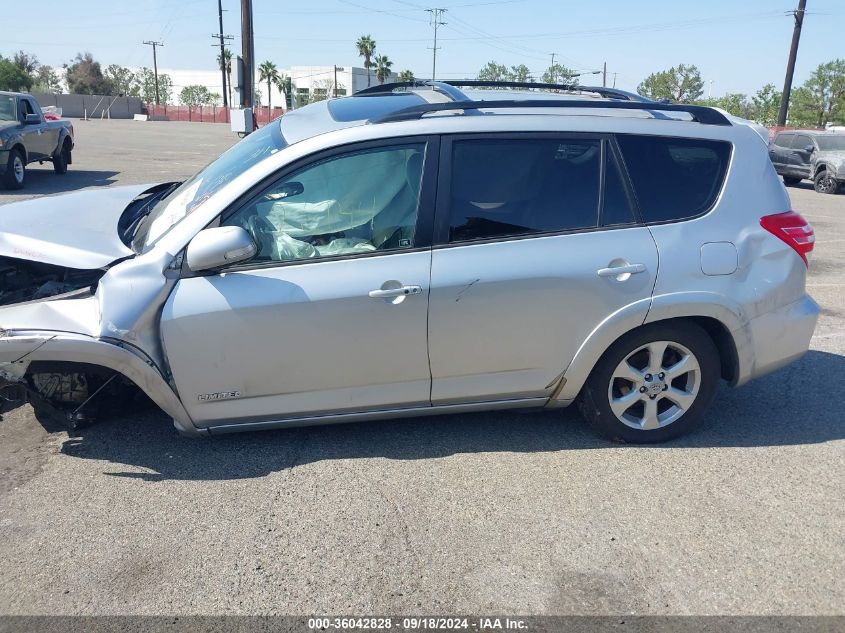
pixel 499 512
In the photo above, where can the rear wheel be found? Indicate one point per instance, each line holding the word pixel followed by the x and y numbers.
pixel 61 159
pixel 824 183
pixel 791 180
pixel 15 175
pixel 653 384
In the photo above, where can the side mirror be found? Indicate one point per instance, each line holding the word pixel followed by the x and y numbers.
pixel 809 149
pixel 32 119
pixel 221 246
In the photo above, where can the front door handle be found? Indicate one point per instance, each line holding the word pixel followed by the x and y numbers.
pixel 390 293
pixel 622 273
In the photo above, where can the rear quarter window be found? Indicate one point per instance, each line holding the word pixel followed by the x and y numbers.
pixel 675 178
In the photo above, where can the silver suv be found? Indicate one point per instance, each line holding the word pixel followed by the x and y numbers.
pixel 420 249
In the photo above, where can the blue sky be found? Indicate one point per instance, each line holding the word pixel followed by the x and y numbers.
pixel 739 45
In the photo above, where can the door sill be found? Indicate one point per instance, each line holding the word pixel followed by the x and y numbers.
pixel 382 414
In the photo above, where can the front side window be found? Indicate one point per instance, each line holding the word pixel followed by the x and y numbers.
pixel 831 143
pixel 802 142
pixel 784 140
pixel 503 187
pixel 356 203
pixel 674 178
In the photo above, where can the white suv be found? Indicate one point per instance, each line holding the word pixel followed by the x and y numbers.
pixel 418 249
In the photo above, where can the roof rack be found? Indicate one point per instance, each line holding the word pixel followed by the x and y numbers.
pixel 610 93
pixel 451 86
pixel 700 114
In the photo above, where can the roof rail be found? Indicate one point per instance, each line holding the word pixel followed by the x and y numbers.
pixel 610 93
pixel 700 114
pixel 439 86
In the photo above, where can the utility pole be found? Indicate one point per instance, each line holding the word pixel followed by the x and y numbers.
pixel 436 14
pixel 248 54
pixel 335 81
pixel 614 79
pixel 155 65
pixel 790 66
pixel 604 76
pixel 222 39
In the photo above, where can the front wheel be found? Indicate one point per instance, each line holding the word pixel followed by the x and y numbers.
pixel 15 175
pixel 824 183
pixel 653 384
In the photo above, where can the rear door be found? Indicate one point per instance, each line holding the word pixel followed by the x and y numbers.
pixel 780 151
pixel 536 244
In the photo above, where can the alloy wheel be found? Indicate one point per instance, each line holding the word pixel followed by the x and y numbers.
pixel 824 184
pixel 654 385
pixel 17 168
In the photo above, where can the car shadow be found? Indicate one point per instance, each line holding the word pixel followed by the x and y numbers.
pixel 42 180
pixel 790 407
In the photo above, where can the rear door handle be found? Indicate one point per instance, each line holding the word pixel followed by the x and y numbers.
pixel 395 292
pixel 618 271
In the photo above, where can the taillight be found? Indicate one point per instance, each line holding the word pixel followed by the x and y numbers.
pixel 792 228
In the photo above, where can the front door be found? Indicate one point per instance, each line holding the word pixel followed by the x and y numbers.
pixel 536 245
pixel 331 315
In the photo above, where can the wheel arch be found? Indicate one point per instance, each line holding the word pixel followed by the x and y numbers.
pixel 22 149
pixel 725 324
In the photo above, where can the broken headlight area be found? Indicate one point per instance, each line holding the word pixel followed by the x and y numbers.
pixel 78 394
pixel 22 280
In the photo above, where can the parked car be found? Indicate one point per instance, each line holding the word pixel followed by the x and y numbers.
pixel 810 154
pixel 418 250
pixel 27 137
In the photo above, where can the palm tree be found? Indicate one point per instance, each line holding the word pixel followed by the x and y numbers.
pixel 366 46
pixel 284 86
pixel 382 64
pixel 268 72
pixel 224 60
pixel 406 75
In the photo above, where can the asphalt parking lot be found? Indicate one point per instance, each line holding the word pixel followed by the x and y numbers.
pixel 499 512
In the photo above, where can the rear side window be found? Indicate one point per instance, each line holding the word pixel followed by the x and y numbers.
pixel 675 178
pixel 504 187
pixel 783 140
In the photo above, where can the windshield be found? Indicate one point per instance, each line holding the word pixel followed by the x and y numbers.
pixel 192 193
pixel 831 143
pixel 7 109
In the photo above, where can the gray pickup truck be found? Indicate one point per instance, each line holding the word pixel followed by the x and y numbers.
pixel 26 137
pixel 817 156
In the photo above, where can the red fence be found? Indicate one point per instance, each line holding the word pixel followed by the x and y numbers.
pixel 207 114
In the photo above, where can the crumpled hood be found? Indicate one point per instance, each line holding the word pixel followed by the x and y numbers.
pixel 75 230
pixel 837 157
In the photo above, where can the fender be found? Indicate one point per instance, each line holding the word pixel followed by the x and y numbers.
pixel 658 308
pixel 18 348
pixel 63 134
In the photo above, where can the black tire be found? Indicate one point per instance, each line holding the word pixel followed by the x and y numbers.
pixel 61 159
pixel 791 180
pixel 824 183
pixel 15 175
pixel 594 399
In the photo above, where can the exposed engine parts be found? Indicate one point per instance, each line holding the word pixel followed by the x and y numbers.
pixel 22 281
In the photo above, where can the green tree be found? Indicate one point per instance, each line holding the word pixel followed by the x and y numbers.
pixel 521 73
pixel 122 81
pixel 84 76
pixel 366 46
pixel 766 105
pixel 821 99
pixel 47 80
pixel 559 74
pixel 197 95
pixel 682 84
pixel 735 103
pixel 12 77
pixel 145 79
pixel 224 61
pixel 268 72
pixel 284 86
pixel 406 75
pixel 493 72
pixel 26 62
pixel 382 64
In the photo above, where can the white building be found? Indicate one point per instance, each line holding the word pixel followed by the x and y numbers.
pixel 307 82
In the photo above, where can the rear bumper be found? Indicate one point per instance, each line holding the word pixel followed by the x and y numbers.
pixel 780 337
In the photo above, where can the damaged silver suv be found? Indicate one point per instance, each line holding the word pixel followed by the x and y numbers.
pixel 420 249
